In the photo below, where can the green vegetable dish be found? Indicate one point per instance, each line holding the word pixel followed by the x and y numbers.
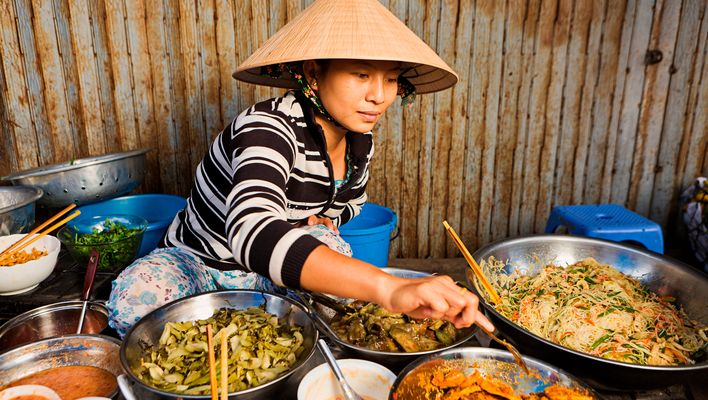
pixel 260 348
pixel 116 244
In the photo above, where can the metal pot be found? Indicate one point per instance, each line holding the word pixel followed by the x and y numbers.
pixel 201 306
pixel 85 180
pixel 323 315
pixel 86 350
pixel 660 274
pixel 50 321
pixel 489 362
pixel 17 208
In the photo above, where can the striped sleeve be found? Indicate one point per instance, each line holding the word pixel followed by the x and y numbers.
pixel 263 148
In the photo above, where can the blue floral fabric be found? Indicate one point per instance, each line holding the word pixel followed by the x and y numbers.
pixel 169 274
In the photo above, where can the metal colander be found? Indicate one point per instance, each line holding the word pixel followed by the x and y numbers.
pixel 85 180
pixel 17 208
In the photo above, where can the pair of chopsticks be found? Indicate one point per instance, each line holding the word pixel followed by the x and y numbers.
pixel 212 367
pixel 492 293
pixel 473 264
pixel 28 239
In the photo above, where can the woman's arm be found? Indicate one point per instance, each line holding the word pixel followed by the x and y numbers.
pixel 437 297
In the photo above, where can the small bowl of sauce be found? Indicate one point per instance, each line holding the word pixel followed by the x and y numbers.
pixel 370 380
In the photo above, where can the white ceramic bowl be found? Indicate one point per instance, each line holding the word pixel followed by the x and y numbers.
pixel 23 277
pixel 370 380
pixel 18 392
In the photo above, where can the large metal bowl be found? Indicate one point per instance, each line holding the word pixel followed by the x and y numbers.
pixel 85 180
pixel 323 315
pixel 17 208
pixel 148 330
pixel 495 363
pixel 660 274
pixel 52 320
pixel 70 350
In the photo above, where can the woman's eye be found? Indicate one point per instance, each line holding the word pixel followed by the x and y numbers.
pixel 362 75
pixel 393 80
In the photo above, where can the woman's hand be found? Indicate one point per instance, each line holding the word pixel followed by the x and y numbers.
pixel 327 271
pixel 315 220
pixel 436 297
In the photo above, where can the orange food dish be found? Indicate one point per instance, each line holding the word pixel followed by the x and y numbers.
pixel 21 257
pixel 73 382
pixel 454 385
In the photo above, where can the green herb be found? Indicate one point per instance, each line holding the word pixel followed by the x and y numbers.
pixel 589 280
pixel 607 312
pixel 600 340
pixel 116 244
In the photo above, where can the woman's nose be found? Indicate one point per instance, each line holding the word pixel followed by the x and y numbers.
pixel 376 92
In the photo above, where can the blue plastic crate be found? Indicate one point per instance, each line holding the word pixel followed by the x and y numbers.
pixel 609 222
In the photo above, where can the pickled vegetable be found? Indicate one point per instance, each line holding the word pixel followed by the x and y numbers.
pixel 260 348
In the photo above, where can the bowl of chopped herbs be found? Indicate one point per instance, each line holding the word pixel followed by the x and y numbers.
pixel 117 239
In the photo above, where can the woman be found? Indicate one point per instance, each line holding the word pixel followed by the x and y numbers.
pixel 276 183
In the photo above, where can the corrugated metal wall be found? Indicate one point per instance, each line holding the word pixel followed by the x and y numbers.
pixel 559 102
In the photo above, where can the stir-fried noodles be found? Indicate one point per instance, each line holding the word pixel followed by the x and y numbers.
pixel 594 308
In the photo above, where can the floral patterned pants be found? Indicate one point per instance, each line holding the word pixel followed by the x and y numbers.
pixel 169 274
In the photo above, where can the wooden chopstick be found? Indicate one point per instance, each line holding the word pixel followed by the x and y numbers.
pixel 37 229
pixel 39 236
pixel 212 365
pixel 473 264
pixel 224 368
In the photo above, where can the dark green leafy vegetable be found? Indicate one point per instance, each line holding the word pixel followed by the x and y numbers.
pixel 116 244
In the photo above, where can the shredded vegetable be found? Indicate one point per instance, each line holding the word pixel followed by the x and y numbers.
pixel 260 348
pixel 594 308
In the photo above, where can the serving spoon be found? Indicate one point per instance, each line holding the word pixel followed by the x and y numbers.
pixel 349 393
pixel 88 285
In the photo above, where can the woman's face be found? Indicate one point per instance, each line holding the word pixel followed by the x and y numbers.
pixel 354 92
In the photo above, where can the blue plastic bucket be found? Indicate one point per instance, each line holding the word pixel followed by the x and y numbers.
pixel 369 233
pixel 158 209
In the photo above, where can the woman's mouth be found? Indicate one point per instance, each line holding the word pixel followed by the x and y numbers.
pixel 369 116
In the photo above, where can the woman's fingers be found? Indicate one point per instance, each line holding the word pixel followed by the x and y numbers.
pixel 439 298
pixel 315 220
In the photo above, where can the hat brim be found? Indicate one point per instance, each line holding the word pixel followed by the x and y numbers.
pixel 348 30
pixel 425 78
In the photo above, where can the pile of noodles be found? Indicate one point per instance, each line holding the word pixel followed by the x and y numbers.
pixel 594 308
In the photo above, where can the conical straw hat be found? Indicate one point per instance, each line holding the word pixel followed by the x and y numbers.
pixel 348 29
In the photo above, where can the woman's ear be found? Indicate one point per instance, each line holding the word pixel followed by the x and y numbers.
pixel 311 70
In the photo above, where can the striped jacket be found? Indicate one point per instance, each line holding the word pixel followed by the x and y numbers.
pixel 268 170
